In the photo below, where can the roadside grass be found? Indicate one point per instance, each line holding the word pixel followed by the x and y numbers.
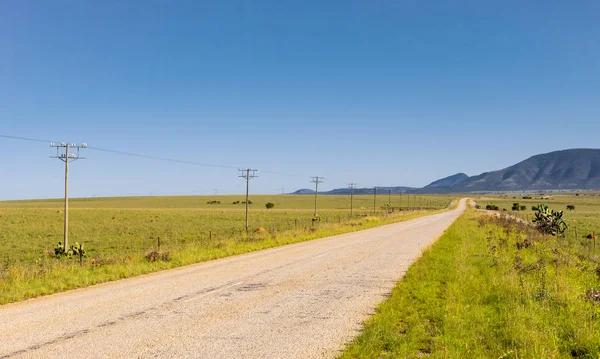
pixel 475 294
pixel 117 240
pixel 584 219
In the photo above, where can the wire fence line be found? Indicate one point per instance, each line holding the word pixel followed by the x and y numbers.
pixel 136 238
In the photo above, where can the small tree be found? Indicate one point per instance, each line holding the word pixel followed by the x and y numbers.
pixel 515 207
pixel 571 207
pixel 269 205
pixel 549 221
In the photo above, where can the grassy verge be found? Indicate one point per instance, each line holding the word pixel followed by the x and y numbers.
pixel 490 288
pixel 46 274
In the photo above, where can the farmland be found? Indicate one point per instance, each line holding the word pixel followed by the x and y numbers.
pixel 118 233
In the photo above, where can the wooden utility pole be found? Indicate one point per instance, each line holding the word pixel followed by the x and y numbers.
pixel 351 186
pixel 67 157
pixel 245 173
pixel 316 180
pixel 66 229
pixel 374 198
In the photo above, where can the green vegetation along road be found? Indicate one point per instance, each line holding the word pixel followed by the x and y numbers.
pixel 495 287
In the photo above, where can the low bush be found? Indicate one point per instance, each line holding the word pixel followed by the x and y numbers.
pixel 155 256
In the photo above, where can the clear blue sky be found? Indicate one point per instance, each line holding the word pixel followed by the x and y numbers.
pixel 373 92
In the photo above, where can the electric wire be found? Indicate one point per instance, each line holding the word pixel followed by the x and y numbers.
pixel 158 158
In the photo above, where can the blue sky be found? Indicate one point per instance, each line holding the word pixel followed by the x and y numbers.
pixel 373 92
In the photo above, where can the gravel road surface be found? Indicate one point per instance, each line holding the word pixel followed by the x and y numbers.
pixel 304 300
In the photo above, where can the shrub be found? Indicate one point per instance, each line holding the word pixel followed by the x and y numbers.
pixel 534 208
pixel 571 207
pixel 155 256
pixel 491 207
pixel 269 205
pixel 527 197
pixel 523 208
pixel 515 207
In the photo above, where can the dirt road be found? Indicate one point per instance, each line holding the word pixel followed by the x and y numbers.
pixel 299 301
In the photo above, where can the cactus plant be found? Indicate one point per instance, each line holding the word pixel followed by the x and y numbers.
pixel 549 221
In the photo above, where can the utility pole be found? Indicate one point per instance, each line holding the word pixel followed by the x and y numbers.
pixel 400 200
pixel 245 173
pixel 215 191
pixel 408 199
pixel 67 157
pixel 390 197
pixel 316 180
pixel 374 198
pixel 351 186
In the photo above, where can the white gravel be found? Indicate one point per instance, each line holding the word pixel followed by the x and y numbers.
pixel 298 301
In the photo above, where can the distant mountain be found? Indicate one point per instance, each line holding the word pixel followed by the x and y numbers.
pixel 370 190
pixel 559 170
pixel 304 191
pixel 567 169
pixel 448 181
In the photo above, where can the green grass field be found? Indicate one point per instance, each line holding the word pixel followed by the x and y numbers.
pixel 495 288
pixel 119 232
pixel 585 219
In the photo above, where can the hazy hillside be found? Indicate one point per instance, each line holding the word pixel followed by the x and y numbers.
pixel 567 169
pixel 370 190
pixel 448 181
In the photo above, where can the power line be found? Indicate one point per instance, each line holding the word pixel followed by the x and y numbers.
pixel 26 139
pixel 159 158
pixel 151 157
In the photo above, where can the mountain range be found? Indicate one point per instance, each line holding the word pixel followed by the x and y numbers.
pixel 560 170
